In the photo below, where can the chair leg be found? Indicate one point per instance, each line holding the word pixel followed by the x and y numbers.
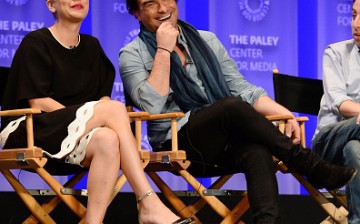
pixel 339 215
pixel 34 207
pixel 237 212
pixel 212 201
pixel 339 198
pixel 78 208
pixel 198 204
pixel 50 205
pixel 230 217
pixel 330 220
pixel 182 210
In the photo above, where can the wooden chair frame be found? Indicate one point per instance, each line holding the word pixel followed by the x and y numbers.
pixel 337 214
pixel 32 158
pixel 175 161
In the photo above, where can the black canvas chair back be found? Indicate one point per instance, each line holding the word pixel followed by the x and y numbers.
pixel 298 94
pixel 303 95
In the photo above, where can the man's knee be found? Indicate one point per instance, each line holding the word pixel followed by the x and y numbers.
pixel 352 150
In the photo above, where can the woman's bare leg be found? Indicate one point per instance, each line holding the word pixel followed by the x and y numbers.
pixel 103 160
pixel 113 115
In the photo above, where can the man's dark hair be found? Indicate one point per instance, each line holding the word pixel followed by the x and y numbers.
pixel 133 5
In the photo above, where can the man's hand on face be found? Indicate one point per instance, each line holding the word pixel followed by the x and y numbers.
pixel 166 36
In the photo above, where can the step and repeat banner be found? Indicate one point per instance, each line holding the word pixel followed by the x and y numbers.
pixel 17 18
pixel 260 35
pixel 334 25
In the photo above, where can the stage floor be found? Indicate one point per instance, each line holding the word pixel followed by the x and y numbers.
pixel 295 209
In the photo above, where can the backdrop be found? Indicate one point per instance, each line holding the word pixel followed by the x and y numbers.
pixel 259 35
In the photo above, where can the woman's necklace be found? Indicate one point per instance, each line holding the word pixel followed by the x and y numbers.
pixel 65 46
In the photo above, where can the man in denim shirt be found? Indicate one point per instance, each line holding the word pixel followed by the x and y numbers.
pixel 338 132
pixel 173 67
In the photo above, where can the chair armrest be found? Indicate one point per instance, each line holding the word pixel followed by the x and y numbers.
pixel 136 118
pixel 28 112
pixel 138 115
pixel 286 117
pixel 18 112
pixel 282 119
pixel 171 115
pixel 302 119
pixel 279 117
pixel 144 116
pixel 174 135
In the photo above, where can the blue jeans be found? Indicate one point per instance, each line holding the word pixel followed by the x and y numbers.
pixel 339 143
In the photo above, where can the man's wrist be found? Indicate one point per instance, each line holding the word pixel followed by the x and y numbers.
pixel 164 49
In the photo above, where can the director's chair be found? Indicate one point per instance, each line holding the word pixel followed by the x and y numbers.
pixel 174 160
pixel 303 95
pixel 32 159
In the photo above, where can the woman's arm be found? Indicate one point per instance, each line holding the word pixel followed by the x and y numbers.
pixel 46 104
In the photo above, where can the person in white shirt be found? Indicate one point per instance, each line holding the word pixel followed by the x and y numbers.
pixel 337 135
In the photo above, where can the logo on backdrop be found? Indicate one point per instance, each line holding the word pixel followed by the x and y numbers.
pixel 344 10
pixel 131 36
pixel 16 2
pixel 254 11
pixel 120 8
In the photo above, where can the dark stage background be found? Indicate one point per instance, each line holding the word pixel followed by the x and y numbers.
pixel 295 209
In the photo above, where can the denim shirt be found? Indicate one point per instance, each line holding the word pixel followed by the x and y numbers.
pixel 341 80
pixel 135 65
